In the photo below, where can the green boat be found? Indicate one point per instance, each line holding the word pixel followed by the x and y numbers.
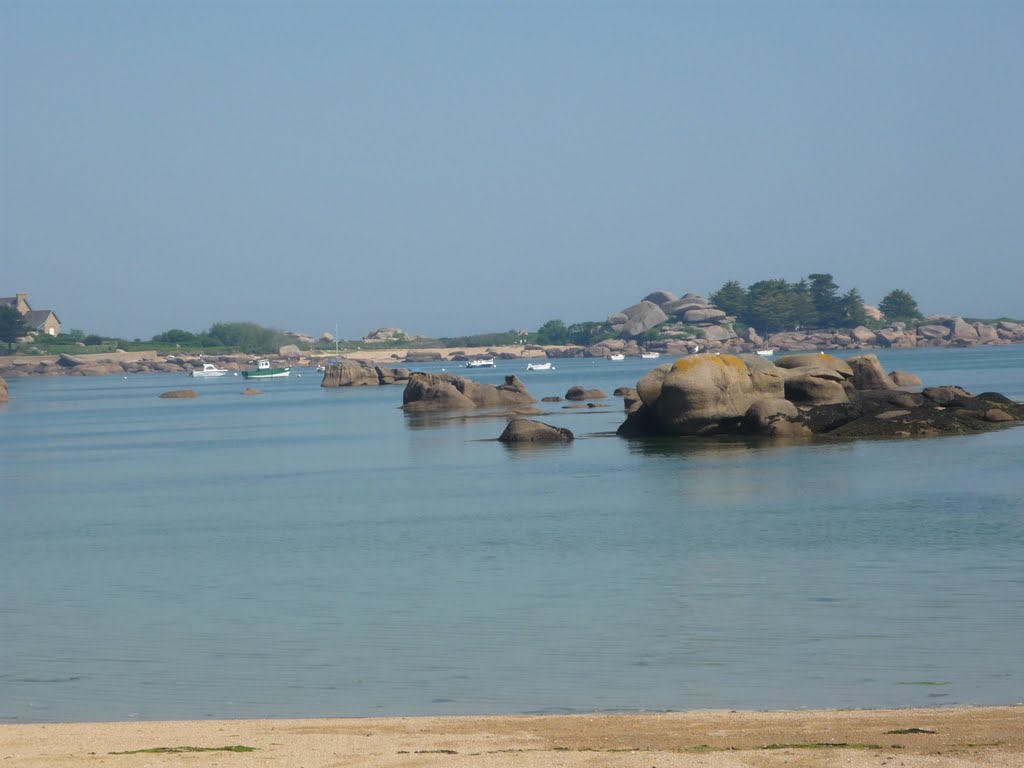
pixel 264 371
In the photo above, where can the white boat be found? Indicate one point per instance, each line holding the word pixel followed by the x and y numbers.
pixel 617 356
pixel 766 352
pixel 650 355
pixel 264 371
pixel 481 363
pixel 538 366
pixel 209 370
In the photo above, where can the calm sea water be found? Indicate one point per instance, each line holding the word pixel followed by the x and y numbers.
pixel 316 552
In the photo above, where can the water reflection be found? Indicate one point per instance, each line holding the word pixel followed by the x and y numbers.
pixel 686 447
pixel 531 450
pixel 438 419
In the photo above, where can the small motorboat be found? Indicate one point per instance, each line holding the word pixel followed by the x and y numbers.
pixel 265 371
pixel 617 356
pixel 650 355
pixel 209 370
pixel 538 366
pixel 766 352
pixel 481 362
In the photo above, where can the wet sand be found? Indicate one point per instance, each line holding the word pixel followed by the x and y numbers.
pixel 960 737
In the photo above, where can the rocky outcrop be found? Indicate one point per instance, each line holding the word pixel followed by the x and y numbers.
pixel 121 363
pixel 361 373
pixel 801 396
pixel 699 394
pixel 442 391
pixel 3 391
pixel 638 318
pixel 689 318
pixel 933 331
pixel 383 335
pixel 530 431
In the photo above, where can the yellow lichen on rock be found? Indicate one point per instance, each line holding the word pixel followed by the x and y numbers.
pixel 685 364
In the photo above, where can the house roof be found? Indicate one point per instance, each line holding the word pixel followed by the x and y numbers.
pixel 36 317
pixel 12 300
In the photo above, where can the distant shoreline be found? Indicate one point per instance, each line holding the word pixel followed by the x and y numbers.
pixel 986 737
pixel 150 361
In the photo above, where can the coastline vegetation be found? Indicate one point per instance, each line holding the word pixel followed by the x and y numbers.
pixel 811 303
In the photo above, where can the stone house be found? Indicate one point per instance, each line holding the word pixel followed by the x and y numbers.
pixel 37 320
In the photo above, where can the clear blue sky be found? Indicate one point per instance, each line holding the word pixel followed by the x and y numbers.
pixel 458 167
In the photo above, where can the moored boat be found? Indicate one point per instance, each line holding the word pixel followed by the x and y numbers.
pixel 617 356
pixel 265 371
pixel 650 355
pixel 481 363
pixel 538 366
pixel 766 352
pixel 209 370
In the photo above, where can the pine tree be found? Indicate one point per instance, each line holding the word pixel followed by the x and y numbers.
pixel 731 298
pixel 899 305
pixel 825 295
pixel 12 325
pixel 853 309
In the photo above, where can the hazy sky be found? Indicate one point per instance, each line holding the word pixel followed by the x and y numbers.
pixel 458 167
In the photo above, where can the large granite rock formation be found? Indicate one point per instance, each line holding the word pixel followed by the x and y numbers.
pixel 443 391
pixel 635 320
pixel 802 395
pixel 689 317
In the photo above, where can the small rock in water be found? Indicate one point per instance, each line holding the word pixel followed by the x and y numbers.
pixel 179 393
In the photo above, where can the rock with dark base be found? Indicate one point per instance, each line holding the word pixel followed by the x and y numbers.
pixel 580 393
pixel 530 431
pixel 808 395
pixel 360 373
pixel 443 391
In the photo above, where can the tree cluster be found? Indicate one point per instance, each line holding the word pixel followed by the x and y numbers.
pixel 12 325
pixel 245 337
pixel 581 334
pixel 812 302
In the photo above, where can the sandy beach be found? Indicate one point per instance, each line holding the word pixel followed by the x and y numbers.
pixel 961 737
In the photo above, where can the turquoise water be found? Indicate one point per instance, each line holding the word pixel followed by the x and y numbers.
pixel 316 552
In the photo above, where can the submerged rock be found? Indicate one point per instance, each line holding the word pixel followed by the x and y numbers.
pixel 179 394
